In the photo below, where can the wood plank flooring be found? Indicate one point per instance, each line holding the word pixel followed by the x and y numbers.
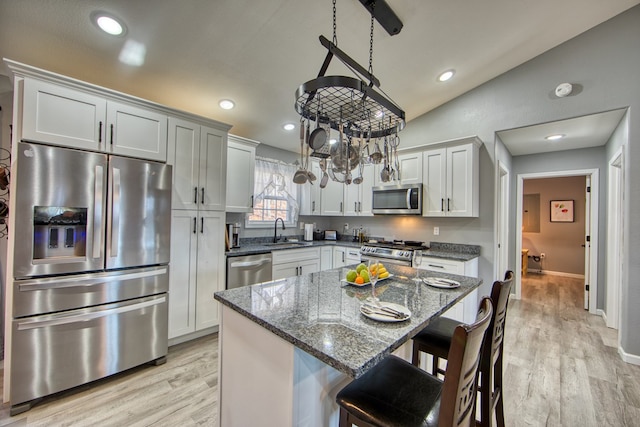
pixel 562 366
pixel 181 392
pixel 561 369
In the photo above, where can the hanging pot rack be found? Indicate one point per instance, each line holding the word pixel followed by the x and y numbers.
pixel 363 111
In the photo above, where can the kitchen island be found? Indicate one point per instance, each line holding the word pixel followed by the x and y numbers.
pixel 288 346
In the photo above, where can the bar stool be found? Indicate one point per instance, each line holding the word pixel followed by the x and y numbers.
pixel 436 340
pixel 396 393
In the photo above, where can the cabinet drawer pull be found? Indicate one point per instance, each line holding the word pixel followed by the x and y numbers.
pixel 202 196
pixel 194 225
pixel 195 195
pixel 436 266
pixel 100 133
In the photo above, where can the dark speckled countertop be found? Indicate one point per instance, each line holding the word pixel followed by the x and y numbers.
pixel 451 251
pixel 321 315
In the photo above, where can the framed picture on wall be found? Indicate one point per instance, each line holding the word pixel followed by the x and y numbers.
pixel 562 211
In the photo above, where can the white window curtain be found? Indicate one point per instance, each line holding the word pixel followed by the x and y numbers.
pixel 275 195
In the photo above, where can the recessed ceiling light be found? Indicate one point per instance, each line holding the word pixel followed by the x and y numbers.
pixel 555 137
pixel 379 114
pixel 446 75
pixel 289 126
pixel 108 23
pixel 226 104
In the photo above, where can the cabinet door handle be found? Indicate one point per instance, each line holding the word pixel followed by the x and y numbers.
pixel 360 207
pixel 355 206
pixel 100 133
pixel 252 201
pixel 343 259
pixel 202 196
pixel 111 141
pixel 313 206
pixel 441 205
pixel 340 206
pixel 448 204
pixel 201 225
pixel 195 195
pixel 194 225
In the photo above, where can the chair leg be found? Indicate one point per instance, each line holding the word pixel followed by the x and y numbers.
pixel 415 359
pixel 434 366
pixel 499 392
pixel 484 386
pixel 344 418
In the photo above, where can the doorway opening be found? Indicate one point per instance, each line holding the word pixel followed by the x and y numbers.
pixel 589 210
pixel 615 239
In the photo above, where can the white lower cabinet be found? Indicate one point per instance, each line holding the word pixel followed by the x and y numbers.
pixel 196 271
pixel 465 310
pixel 326 258
pixel 295 262
pixel 345 255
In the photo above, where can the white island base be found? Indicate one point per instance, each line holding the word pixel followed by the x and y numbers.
pixel 267 381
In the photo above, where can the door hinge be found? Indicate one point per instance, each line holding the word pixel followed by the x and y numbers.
pixel 586 287
pixel 588 238
pixel 589 189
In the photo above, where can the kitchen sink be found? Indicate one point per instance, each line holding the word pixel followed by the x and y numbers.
pixel 292 244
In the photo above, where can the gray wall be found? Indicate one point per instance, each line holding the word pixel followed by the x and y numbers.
pixel 603 62
pixel 561 242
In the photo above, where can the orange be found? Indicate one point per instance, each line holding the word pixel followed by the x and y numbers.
pixel 359 280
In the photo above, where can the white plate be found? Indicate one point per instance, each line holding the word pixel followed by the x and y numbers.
pixel 367 283
pixel 438 282
pixel 382 317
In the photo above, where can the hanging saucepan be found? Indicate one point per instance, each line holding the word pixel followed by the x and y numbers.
pixel 325 176
pixel 319 135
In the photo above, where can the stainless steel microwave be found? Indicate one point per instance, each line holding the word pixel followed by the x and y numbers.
pixel 397 199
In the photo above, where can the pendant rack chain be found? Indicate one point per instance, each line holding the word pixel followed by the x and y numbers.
pixel 373 8
pixel 335 36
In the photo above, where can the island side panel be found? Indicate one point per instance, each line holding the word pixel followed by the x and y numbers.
pixel 256 370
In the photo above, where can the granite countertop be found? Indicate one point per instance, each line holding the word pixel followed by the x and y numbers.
pixel 262 248
pixel 321 315
pixel 450 251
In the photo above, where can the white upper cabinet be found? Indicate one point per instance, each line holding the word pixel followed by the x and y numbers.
pixel 450 180
pixel 60 115
pixel 136 132
pixel 358 197
pixel 310 194
pixel 410 168
pixel 332 199
pixel 198 156
pixel 241 161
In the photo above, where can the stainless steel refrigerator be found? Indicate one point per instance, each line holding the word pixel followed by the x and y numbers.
pixel 91 275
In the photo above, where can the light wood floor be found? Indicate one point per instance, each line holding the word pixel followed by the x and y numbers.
pixel 181 392
pixel 562 366
pixel 561 369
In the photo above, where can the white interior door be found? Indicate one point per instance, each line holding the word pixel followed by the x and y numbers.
pixel 615 240
pixel 587 242
pixel 502 226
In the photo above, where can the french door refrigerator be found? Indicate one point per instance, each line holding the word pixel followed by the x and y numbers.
pixel 90 268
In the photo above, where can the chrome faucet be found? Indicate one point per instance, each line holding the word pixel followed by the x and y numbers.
pixel 275 229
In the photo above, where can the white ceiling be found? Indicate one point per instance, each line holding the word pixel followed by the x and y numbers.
pixel 581 132
pixel 258 52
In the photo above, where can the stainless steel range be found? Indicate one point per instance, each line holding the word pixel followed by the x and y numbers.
pixel 391 252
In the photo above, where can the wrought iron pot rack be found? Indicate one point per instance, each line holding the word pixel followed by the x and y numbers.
pixel 362 111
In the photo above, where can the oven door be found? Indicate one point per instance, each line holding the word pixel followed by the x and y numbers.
pixel 366 258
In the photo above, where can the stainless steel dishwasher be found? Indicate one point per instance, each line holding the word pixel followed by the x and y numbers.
pixel 248 270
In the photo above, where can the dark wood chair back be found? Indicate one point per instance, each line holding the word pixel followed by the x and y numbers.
pixel 500 297
pixel 457 407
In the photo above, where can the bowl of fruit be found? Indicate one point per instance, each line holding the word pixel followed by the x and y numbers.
pixel 360 276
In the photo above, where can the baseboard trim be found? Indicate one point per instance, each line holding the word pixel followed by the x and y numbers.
pixel 557 273
pixel 633 359
pixel 192 336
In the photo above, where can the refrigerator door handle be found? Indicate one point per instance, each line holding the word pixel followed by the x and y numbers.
pixel 115 213
pixel 85 317
pixel 98 211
